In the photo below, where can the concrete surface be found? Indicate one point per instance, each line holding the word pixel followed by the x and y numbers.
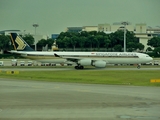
pixel 72 68
pixel 32 100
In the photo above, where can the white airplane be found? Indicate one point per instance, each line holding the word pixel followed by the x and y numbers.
pixel 81 59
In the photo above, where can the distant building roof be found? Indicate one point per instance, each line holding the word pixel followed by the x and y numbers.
pixel 4 31
pixel 74 29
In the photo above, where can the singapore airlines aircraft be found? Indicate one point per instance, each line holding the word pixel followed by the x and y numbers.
pixel 81 59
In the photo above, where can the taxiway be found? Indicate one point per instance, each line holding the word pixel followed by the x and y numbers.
pixel 35 100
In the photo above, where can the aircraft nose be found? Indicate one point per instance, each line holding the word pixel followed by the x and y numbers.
pixel 151 58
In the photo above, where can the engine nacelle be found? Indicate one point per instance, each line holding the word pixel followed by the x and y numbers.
pixel 84 62
pixel 100 64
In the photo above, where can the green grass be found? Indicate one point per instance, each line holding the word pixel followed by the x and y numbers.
pixel 112 77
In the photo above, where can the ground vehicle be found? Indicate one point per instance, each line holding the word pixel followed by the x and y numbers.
pixel 48 64
pixel 30 63
pixel 1 63
pixel 14 62
pixel 42 64
pixel 156 62
pixel 22 63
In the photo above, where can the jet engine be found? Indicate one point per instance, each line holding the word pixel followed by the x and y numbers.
pixel 100 64
pixel 84 62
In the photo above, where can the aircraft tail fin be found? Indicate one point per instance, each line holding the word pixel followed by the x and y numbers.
pixel 19 43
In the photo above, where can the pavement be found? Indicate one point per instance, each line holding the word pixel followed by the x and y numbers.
pixel 35 100
pixel 72 68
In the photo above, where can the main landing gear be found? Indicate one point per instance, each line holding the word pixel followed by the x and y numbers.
pixel 79 67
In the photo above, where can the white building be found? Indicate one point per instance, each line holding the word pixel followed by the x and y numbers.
pixel 90 28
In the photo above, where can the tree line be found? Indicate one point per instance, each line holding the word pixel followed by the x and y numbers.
pixel 99 40
pixel 154 48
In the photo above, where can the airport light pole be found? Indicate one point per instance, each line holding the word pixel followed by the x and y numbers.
pixel 124 23
pixel 35 25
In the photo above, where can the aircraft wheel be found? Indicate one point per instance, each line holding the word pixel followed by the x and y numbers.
pixel 138 66
pixel 81 67
pixel 76 67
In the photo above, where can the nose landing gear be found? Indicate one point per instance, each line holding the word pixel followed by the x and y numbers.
pixel 138 66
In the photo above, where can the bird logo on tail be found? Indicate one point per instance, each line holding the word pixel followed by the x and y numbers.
pixel 21 44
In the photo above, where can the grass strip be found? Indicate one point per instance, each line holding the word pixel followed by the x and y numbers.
pixel 112 77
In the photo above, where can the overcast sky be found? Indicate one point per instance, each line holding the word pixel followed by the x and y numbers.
pixel 53 16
